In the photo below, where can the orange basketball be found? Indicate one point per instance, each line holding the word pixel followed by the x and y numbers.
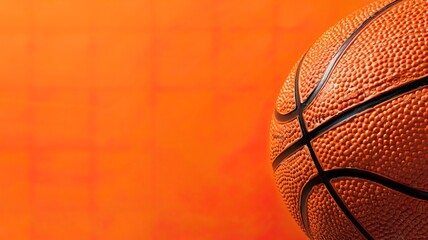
pixel 349 136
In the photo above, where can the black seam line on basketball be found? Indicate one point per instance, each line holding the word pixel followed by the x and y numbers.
pixel 322 176
pixel 302 127
pixel 318 166
pixel 349 113
pixel 307 139
pixel 389 183
pixel 359 174
pixel 305 136
pixel 332 192
pixel 287 117
pixel 342 50
pixel 307 188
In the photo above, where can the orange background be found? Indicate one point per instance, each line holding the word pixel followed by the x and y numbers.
pixel 144 119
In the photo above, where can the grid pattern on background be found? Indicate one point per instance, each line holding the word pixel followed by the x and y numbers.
pixel 144 119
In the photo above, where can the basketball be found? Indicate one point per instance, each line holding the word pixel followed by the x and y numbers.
pixel 349 134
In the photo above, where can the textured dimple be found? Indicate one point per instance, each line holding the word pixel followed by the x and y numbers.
pixel 282 135
pixel 290 178
pixel 320 54
pixel 326 220
pixel 391 51
pixel 385 213
pixel 390 139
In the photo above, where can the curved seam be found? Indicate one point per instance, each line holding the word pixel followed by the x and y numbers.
pixel 333 62
pixel 318 166
pixel 350 113
pixel 359 174
pixel 336 58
